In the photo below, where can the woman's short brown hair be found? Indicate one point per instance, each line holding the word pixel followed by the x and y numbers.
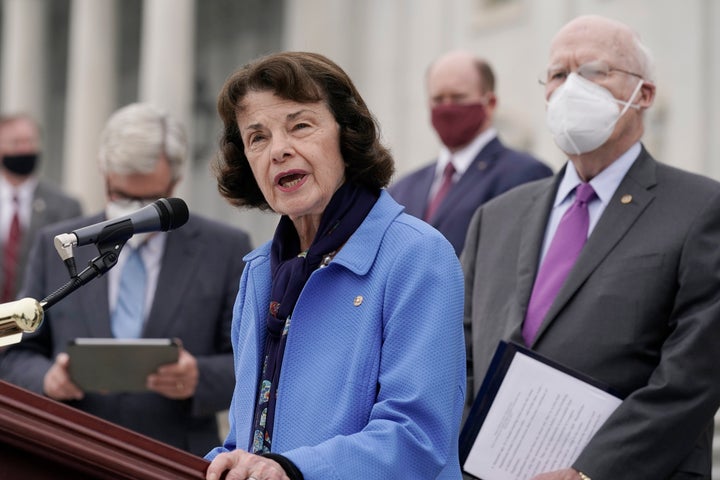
pixel 304 78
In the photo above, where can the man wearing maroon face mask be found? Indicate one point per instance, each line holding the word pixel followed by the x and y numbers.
pixel 473 166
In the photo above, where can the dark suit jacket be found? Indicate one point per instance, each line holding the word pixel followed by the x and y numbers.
pixel 495 170
pixel 50 205
pixel 640 311
pixel 197 285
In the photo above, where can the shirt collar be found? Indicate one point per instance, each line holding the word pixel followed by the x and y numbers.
pixel 604 183
pixel 25 191
pixel 155 244
pixel 151 250
pixel 464 157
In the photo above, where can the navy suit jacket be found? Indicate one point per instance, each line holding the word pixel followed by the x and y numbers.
pixel 193 301
pixel 494 170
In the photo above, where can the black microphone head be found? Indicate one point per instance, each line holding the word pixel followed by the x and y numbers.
pixel 173 212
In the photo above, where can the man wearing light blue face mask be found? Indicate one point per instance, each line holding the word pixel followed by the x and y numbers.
pixel 185 283
pixel 610 268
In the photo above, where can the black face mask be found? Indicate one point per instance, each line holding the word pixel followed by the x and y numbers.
pixel 23 164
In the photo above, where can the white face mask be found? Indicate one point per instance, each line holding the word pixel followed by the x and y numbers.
pixel 582 115
pixel 115 210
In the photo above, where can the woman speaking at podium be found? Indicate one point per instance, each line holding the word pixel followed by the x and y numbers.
pixel 347 329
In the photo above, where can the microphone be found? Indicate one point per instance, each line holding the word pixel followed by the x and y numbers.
pixel 110 236
pixel 160 216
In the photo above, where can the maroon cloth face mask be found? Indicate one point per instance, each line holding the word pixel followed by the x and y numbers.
pixel 457 125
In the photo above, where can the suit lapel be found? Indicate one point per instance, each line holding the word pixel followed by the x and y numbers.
pixel 533 221
pixel 39 214
pixel 631 198
pixel 93 300
pixel 419 192
pixel 38 218
pixel 97 308
pixel 470 181
pixel 182 252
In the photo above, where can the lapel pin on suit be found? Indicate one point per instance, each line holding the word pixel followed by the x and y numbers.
pixel 625 199
pixel 39 205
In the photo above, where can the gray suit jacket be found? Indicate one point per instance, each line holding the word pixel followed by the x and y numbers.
pixel 640 311
pixel 196 290
pixel 50 205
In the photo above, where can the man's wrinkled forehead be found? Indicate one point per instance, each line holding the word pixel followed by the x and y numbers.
pixel 592 38
pixel 18 133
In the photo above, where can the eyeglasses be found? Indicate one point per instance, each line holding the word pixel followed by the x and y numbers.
pixel 130 201
pixel 596 72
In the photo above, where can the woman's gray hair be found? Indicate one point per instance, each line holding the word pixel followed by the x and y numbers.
pixel 137 136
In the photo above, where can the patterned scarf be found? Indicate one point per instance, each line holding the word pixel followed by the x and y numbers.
pixel 291 269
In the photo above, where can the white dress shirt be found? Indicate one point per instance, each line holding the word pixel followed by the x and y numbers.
pixel 461 159
pixel 25 193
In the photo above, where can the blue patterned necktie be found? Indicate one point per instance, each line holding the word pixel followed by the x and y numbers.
pixel 127 319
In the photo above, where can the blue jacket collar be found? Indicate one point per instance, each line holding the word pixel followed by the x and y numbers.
pixel 358 254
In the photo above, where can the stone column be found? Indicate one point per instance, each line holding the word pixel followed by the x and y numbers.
pixel 91 96
pixel 711 77
pixel 167 75
pixel 23 57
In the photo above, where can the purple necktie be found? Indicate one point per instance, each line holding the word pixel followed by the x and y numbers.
pixel 571 235
pixel 442 192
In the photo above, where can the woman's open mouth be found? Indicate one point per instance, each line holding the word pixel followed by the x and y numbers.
pixel 291 181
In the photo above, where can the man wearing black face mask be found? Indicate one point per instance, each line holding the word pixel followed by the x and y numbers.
pixel 473 165
pixel 26 203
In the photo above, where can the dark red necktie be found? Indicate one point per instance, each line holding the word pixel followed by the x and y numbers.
pixel 11 255
pixel 442 192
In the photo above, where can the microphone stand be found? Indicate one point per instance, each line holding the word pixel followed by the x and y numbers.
pixel 26 315
pixel 110 242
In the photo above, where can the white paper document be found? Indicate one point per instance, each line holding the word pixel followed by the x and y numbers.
pixel 539 421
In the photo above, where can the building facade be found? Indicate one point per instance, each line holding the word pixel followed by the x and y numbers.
pixel 72 62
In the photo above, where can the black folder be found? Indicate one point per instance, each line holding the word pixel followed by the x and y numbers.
pixel 502 360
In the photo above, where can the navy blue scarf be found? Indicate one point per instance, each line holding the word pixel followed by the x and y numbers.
pixel 291 269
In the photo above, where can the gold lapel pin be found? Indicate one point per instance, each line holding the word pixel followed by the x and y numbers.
pixel 625 199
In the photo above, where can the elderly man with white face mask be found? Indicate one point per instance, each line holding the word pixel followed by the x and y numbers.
pixel 609 268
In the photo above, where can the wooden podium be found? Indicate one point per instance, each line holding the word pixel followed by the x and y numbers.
pixel 44 439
